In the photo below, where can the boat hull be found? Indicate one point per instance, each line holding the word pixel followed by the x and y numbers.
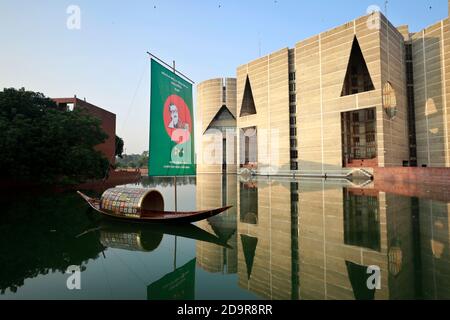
pixel 157 216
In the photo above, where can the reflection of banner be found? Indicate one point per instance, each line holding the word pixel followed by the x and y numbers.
pixel 171 124
pixel 177 285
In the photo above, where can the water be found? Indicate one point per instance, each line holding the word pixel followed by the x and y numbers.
pixel 282 239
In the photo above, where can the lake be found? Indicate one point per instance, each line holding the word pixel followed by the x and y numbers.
pixel 283 239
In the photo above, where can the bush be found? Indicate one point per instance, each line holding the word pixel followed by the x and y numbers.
pixel 42 144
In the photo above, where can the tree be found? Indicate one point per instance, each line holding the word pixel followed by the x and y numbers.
pixel 45 145
pixel 144 160
pixel 133 160
pixel 119 147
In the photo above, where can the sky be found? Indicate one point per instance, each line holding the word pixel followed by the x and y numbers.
pixel 105 60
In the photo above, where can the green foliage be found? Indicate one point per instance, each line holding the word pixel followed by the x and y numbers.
pixel 133 160
pixel 119 147
pixel 43 144
pixel 42 233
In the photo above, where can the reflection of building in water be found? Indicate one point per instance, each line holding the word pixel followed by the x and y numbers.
pixel 217 191
pixel 343 233
pixel 248 204
pixel 316 240
pixel 265 243
pixel 361 220
pixel 333 246
pixel 435 249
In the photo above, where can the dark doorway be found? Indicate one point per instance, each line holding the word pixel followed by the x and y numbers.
pixel 248 203
pixel 361 220
pixel 359 138
pixel 249 148
pixel 224 155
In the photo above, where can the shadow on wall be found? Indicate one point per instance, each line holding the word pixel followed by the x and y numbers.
pixel 430 113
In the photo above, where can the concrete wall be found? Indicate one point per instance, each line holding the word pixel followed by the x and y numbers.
pixel 269 79
pixel 393 146
pixel 431 56
pixel 321 65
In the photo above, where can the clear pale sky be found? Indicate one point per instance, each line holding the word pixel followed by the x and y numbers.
pixel 105 60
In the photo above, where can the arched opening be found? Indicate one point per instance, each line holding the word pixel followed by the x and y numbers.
pixel 150 241
pixel 153 201
pixel 389 100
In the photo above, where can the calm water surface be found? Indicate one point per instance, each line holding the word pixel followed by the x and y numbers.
pixel 282 239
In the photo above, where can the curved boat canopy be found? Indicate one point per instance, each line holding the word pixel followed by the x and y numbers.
pixel 131 202
pixel 130 241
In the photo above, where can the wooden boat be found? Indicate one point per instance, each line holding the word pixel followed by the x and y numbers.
pixel 142 205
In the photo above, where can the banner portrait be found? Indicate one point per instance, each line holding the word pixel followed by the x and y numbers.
pixel 171 150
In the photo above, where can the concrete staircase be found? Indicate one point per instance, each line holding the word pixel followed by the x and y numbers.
pixel 360 175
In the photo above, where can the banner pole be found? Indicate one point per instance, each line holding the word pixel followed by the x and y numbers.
pixel 175 178
pixel 169 66
pixel 175 183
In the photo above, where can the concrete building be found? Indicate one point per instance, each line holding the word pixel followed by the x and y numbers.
pixel 216 131
pixel 366 95
pixel 108 123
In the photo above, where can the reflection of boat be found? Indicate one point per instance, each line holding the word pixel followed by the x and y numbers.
pixel 130 240
pixel 147 238
pixel 142 205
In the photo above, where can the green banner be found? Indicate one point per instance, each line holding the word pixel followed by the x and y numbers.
pixel 171 150
pixel 177 285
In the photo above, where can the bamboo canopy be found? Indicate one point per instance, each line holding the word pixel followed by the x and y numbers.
pixel 131 201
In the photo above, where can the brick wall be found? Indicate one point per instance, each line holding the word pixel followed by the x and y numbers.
pixel 108 124
pixel 427 176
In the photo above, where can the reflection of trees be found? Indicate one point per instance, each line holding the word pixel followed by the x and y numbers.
pixel 166 182
pixel 39 235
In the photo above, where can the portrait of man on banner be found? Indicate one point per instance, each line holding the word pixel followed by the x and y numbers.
pixel 176 122
pixel 177 119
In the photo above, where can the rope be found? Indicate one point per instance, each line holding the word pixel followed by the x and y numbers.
pixel 106 276
pixel 134 95
pixel 105 178
pixel 129 268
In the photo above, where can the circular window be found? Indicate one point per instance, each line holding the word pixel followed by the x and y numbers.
pixel 389 100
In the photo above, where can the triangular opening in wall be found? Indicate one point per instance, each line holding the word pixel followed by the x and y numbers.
pixel 248 104
pixel 359 278
pixel 222 232
pixel 223 116
pixel 357 79
pixel 249 247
